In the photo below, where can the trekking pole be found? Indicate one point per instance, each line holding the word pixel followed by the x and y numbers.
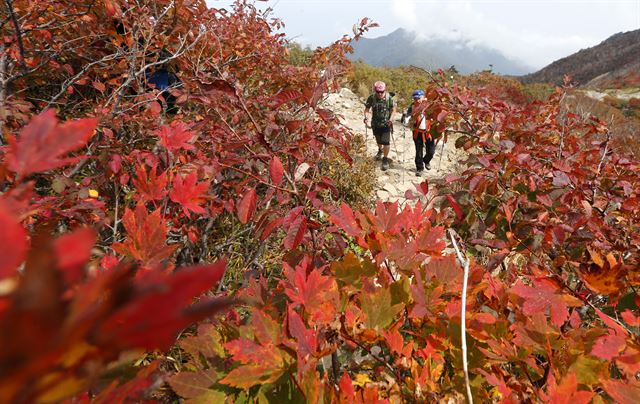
pixel 441 151
pixel 404 138
pixel 393 138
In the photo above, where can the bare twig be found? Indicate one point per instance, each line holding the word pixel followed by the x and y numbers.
pixel 604 155
pixel 16 26
pixel 463 325
pixel 115 220
pixel 3 89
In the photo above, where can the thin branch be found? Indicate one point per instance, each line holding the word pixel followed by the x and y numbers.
pixel 16 26
pixel 463 324
pixel 3 89
pixel 604 155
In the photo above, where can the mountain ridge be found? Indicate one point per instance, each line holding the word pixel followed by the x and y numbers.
pixel 402 47
pixel 612 60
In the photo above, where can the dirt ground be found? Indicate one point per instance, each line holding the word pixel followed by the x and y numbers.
pixel 400 177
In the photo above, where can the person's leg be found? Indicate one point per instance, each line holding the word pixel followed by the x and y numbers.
pixel 385 140
pixel 378 135
pixel 431 151
pixel 417 142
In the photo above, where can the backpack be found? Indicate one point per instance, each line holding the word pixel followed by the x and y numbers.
pixel 381 112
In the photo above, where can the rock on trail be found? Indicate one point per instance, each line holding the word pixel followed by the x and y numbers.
pixel 400 177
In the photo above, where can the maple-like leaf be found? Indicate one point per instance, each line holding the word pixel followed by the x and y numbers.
pixel 195 384
pixel 187 192
pixel 317 293
pixel 13 239
pixel 545 296
pixel 171 294
pixel 609 346
pixel 567 391
pixel 43 143
pixel 621 392
pixel 603 276
pixel 307 340
pixel 378 309
pixel 260 364
pixel 151 186
pixel 176 136
pixel 147 235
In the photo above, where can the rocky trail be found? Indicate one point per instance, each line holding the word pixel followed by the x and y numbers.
pixel 393 183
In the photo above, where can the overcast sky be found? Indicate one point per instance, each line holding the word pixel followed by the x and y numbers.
pixel 536 32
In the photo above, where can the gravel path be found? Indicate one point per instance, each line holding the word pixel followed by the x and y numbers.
pixel 400 177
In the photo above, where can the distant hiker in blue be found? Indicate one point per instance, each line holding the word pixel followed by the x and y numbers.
pixel 383 108
pixel 423 128
pixel 163 79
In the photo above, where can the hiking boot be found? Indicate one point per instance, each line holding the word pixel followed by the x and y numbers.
pixel 385 164
pixel 419 173
pixel 379 155
pixel 428 166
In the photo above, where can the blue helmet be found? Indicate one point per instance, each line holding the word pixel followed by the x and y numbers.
pixel 418 93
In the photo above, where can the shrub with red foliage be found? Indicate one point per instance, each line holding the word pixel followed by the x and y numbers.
pixel 367 304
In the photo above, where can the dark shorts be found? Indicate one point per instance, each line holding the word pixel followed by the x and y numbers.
pixel 383 135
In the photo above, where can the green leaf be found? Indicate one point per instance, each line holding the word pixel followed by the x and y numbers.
pixel 193 384
pixel 247 376
pixel 378 309
pixel 401 291
pixel 589 370
pixel 350 269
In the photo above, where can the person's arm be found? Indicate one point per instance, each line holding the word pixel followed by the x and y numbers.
pixel 393 112
pixel 367 108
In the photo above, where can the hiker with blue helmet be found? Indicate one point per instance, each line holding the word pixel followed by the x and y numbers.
pixel 421 125
pixel 383 108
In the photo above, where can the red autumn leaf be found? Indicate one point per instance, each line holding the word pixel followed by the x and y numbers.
pixel 346 387
pixel 455 206
pixel 151 186
pixel 73 250
pixel 296 232
pixel 270 227
pixel 609 346
pixel 631 319
pixel 560 179
pixel 188 193
pixel 13 239
pixel 276 170
pixel 99 86
pixel 176 136
pixel 155 108
pixel 621 392
pixel 115 163
pixel 193 384
pixel 134 390
pixel 544 296
pixel 286 96
pixel 307 341
pixel 317 293
pixel 442 115
pixel 135 326
pixel 567 391
pixel 260 363
pixel 346 221
pixel 147 236
pixel 247 206
pixel 43 143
